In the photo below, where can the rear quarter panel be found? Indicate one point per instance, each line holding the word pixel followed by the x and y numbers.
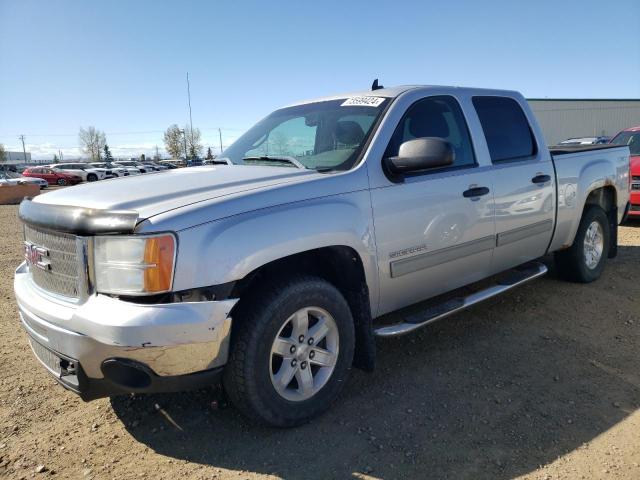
pixel 579 174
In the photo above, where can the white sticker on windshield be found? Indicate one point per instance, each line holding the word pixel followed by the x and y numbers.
pixel 362 102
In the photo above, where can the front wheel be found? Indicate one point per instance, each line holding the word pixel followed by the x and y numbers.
pixel 291 353
pixel 584 260
pixel 62 182
pixel 92 177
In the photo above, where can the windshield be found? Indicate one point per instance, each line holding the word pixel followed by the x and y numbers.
pixel 322 136
pixel 628 138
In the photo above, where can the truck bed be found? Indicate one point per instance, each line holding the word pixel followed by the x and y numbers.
pixel 565 149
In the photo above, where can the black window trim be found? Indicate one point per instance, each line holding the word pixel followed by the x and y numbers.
pixel 534 139
pixel 432 171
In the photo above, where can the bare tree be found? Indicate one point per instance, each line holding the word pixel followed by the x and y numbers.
pixel 194 141
pixel 173 141
pixel 92 141
pixel 3 153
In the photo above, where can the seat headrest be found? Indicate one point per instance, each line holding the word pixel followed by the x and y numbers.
pixel 349 132
pixel 432 122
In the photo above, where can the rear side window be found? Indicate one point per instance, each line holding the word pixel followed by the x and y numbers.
pixel 439 116
pixel 505 127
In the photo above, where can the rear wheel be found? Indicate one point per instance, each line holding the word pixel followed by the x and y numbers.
pixel 92 177
pixel 291 353
pixel 584 260
pixel 62 182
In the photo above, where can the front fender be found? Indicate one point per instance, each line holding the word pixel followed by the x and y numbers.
pixel 229 249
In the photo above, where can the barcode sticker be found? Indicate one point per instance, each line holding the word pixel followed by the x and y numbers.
pixel 362 102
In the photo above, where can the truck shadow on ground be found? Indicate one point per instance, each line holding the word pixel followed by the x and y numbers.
pixel 493 392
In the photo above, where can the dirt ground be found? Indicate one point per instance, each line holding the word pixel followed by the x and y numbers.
pixel 542 383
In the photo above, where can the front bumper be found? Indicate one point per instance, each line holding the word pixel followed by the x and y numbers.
pixel 176 346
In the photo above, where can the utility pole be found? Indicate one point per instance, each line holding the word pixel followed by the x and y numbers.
pixel 24 151
pixel 220 135
pixel 157 154
pixel 189 98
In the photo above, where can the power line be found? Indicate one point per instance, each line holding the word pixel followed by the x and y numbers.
pixel 230 129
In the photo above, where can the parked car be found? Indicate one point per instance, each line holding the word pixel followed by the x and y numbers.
pixel 168 164
pixel 52 176
pixel 150 166
pixel 631 138
pixel 130 164
pixel 113 170
pixel 334 213
pixel 12 178
pixel 586 141
pixel 83 170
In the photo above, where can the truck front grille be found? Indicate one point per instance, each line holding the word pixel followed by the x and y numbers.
pixel 62 276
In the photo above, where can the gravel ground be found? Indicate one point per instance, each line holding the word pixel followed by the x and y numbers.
pixel 542 383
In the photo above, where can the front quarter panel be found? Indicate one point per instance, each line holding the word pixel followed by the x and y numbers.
pixel 228 249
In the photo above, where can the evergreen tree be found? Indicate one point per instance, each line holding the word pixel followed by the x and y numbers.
pixel 107 154
pixel 209 154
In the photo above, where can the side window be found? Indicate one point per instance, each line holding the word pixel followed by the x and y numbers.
pixel 435 117
pixel 505 128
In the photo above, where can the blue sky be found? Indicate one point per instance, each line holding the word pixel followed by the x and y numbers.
pixel 121 65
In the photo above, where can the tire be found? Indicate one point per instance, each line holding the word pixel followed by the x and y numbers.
pixel 62 182
pixel 576 264
pixel 92 177
pixel 251 375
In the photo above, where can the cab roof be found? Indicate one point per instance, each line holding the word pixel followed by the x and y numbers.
pixel 393 92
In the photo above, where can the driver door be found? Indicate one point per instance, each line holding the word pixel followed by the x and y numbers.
pixel 433 234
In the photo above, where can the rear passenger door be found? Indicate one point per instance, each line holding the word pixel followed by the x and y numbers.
pixel 524 182
pixel 431 234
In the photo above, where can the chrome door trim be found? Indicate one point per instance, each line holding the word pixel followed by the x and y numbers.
pixel 431 259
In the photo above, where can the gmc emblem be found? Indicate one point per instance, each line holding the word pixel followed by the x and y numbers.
pixel 37 256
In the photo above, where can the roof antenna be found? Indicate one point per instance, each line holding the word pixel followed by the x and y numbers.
pixel 375 86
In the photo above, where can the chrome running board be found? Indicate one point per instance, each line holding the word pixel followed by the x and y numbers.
pixel 511 279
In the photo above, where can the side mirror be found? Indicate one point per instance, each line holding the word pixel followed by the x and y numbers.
pixel 421 154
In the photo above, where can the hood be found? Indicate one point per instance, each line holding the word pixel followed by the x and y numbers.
pixel 156 193
pixel 634 161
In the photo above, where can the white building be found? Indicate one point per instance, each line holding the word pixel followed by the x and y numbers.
pixel 562 118
pixel 15 158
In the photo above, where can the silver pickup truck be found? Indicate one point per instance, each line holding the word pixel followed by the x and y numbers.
pixel 272 269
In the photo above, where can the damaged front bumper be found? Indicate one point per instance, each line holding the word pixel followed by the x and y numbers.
pixel 107 346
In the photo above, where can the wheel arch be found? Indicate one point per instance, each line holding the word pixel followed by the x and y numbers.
pixel 605 197
pixel 340 265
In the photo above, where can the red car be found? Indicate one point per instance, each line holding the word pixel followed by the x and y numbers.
pixel 631 137
pixel 52 176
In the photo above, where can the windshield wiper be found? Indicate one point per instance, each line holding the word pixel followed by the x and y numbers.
pixel 276 158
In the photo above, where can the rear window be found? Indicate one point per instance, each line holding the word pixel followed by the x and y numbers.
pixel 505 128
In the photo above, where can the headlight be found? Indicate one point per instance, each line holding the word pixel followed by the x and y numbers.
pixel 134 265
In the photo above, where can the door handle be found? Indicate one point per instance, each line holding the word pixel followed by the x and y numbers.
pixel 540 179
pixel 475 192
